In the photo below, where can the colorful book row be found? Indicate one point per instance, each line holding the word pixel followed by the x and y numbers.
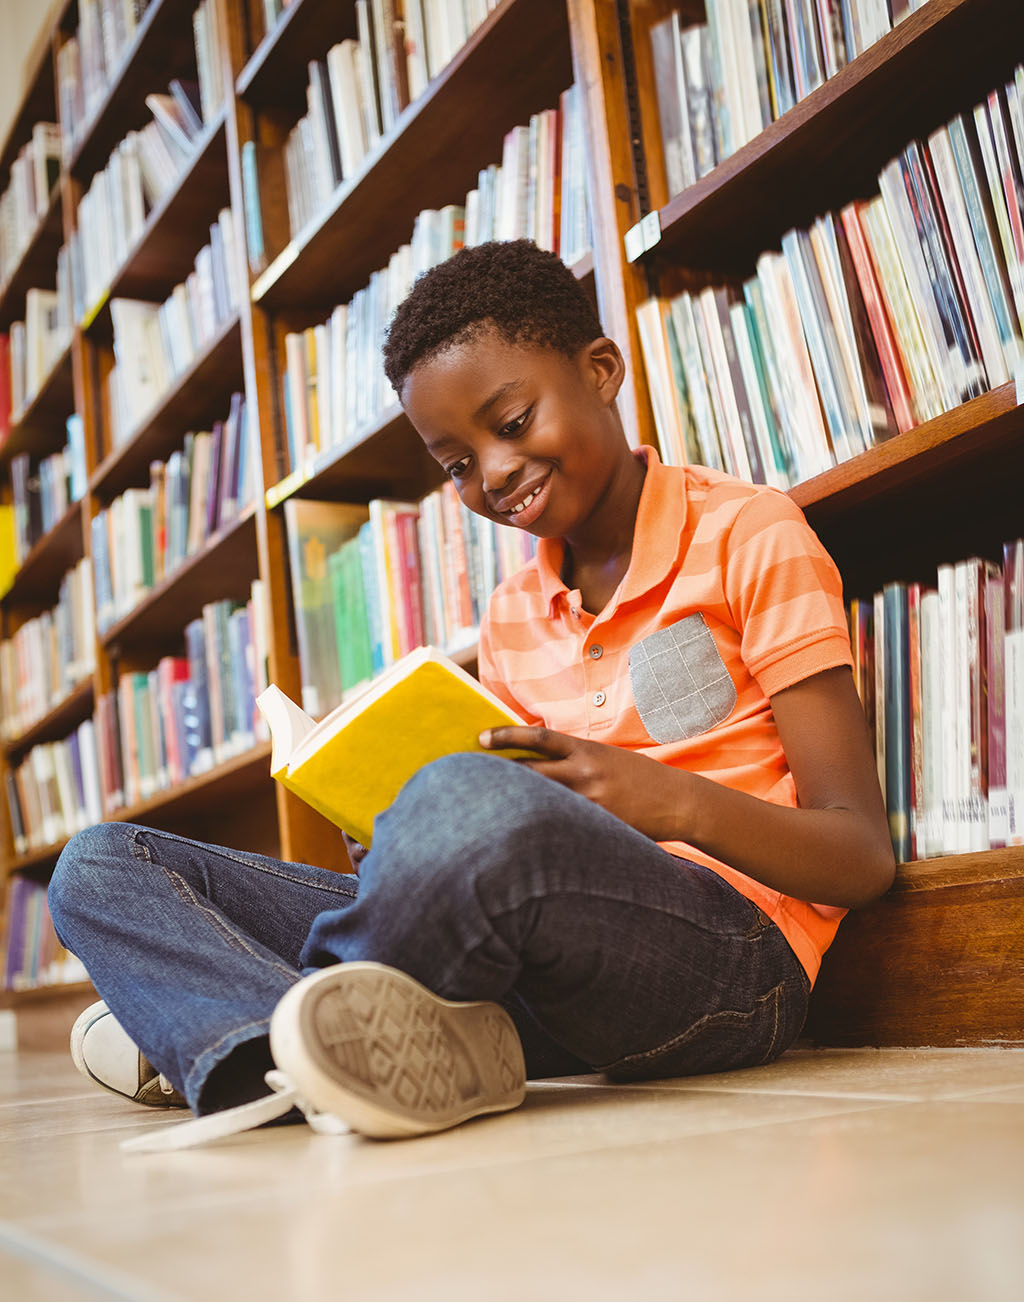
pixel 874 320
pixel 154 730
pixel 719 84
pixel 48 656
pixel 145 534
pixel 32 954
pixel 43 491
pixel 358 91
pixel 940 671
pixel 156 342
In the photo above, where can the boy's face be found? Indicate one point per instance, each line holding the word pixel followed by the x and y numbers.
pixel 529 437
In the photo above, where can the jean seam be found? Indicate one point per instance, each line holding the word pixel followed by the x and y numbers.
pixel 239 859
pixel 219 924
pixel 694 1029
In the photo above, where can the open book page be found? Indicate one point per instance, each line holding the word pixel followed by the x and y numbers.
pixel 288 725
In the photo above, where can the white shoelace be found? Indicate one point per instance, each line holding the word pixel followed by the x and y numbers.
pixel 218 1125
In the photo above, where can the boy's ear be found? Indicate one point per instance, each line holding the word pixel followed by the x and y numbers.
pixel 602 364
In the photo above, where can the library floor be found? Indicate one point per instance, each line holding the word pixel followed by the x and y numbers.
pixel 833 1174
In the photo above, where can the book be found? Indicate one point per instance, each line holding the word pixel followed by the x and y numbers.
pixel 352 764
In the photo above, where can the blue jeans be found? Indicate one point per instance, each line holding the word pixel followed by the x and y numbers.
pixel 485 881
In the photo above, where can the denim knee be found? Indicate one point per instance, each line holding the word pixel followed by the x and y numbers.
pixel 87 871
pixel 466 812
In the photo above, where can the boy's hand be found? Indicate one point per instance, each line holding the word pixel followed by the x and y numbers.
pixel 628 785
pixel 356 852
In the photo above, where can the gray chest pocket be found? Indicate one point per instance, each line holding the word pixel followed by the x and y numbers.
pixel 680 683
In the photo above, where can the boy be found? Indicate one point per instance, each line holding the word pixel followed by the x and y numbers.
pixel 635 900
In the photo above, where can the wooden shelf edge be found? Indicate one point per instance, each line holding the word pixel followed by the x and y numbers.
pixel 897 42
pixel 77 701
pixel 333 457
pixel 102 473
pixel 44 993
pixel 960 870
pixel 204 146
pixel 265 49
pixel 157 10
pixel 54 539
pixel 961 432
pixel 44 225
pixel 245 521
pixel 162 802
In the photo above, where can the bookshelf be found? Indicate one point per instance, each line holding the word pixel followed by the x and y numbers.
pixel 926 965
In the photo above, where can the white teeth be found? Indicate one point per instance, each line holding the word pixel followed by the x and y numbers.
pixel 524 503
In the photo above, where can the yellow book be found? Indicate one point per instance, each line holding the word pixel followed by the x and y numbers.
pixel 8 549
pixel 352 764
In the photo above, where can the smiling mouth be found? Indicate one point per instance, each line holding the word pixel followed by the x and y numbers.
pixel 525 502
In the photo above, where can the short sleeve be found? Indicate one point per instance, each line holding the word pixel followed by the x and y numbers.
pixel 785 594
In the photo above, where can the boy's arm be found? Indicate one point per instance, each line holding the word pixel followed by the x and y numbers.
pixel 834 848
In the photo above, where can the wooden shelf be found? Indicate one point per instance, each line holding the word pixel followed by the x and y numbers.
pixel 56 723
pixel 37 267
pixel 38 105
pixel 959 870
pixel 239 777
pixel 830 148
pixel 34 995
pixel 163 47
pixel 224 567
pixel 898 509
pixel 416 166
pixel 40 859
pixel 175 230
pixel 197 397
pixel 387 460
pixel 41 427
pixel 971 432
pixel 278 66
pixel 38 580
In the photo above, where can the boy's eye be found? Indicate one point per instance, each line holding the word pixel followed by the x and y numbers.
pixel 458 468
pixel 514 427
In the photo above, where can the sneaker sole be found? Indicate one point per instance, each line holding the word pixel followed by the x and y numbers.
pixel 83 1022
pixel 373 1046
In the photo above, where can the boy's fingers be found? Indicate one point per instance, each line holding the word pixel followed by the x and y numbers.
pixel 543 740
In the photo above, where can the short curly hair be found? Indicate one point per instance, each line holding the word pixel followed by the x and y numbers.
pixel 527 294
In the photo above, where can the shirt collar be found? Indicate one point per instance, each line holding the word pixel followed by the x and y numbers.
pixel 660 519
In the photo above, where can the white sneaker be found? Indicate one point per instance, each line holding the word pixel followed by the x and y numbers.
pixel 103 1052
pixel 371 1046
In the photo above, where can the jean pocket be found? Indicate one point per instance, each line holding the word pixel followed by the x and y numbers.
pixel 720 1041
pixel 681 686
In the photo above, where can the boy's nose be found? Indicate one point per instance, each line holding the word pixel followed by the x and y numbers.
pixel 498 470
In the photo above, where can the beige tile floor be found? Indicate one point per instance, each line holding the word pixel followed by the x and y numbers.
pixel 858 1174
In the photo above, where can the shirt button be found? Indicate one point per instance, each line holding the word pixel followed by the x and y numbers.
pixel 596 652
pixel 574 612
pixel 599 698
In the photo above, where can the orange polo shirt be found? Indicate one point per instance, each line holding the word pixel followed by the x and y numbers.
pixel 729 598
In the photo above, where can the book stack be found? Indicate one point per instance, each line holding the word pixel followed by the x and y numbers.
pixel 146 534
pixel 32 954
pixel 156 342
pixel 191 711
pixel 24 203
pixel 358 91
pixel 48 656
pixel 370 584
pixel 43 495
pixel 88 62
pixel 143 168
pixel 334 385
pixel 720 83
pixel 39 342
pixel 879 317
pixel 940 671
pixel 55 791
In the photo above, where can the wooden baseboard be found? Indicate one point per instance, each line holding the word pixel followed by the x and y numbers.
pixel 44 1017
pixel 939 961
